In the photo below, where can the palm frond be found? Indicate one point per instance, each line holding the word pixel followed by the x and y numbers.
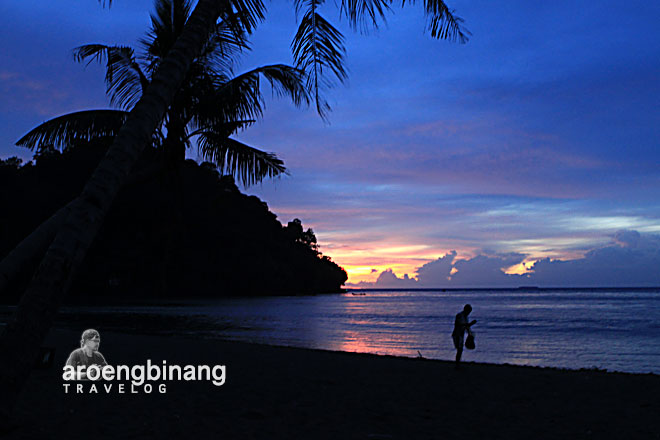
pixel 318 49
pixel 125 81
pixel 220 54
pixel 224 43
pixel 167 22
pixel 66 130
pixel 442 21
pixel 246 13
pixel 231 99
pixel 240 98
pixel 245 163
pixel 224 129
pixel 364 14
pixel 286 81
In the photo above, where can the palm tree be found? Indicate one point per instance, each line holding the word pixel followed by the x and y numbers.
pixel 30 323
pixel 209 107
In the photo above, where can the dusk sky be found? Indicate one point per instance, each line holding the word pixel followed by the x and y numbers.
pixel 443 164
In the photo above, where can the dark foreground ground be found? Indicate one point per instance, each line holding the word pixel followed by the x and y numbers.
pixel 290 393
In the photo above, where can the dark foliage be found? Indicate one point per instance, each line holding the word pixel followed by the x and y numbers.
pixel 220 243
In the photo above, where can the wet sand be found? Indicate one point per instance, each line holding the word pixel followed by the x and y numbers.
pixel 292 393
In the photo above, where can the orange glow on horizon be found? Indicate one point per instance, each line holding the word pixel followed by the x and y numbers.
pixel 365 255
pixel 520 268
pixel 367 262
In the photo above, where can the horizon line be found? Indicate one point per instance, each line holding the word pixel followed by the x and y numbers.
pixel 520 288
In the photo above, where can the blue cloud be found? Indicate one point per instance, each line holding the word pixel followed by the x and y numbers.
pixel 631 259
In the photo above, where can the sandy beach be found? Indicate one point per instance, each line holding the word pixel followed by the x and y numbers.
pixel 280 392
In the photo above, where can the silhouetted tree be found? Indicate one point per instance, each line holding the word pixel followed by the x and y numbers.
pixel 210 106
pixel 22 336
pixel 295 231
pixel 13 163
pixel 234 245
pixel 309 239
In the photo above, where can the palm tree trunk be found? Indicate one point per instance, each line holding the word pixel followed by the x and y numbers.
pixel 33 247
pixel 174 148
pixel 24 333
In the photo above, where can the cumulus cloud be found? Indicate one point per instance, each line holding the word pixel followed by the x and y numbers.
pixel 486 271
pixel 629 260
pixel 627 238
pixel 437 272
pixel 388 278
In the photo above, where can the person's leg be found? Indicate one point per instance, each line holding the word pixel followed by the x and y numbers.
pixel 458 344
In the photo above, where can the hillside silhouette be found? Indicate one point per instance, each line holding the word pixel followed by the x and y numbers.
pixel 205 240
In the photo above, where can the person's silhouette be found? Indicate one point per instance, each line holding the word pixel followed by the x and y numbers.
pixel 461 325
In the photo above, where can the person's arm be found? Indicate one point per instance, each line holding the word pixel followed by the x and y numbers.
pixel 71 362
pixel 103 362
pixel 469 327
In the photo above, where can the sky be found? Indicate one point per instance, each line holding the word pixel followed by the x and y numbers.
pixel 528 156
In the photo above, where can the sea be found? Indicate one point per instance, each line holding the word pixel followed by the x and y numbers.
pixel 607 329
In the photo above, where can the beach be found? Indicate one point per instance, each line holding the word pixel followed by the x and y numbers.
pixel 275 392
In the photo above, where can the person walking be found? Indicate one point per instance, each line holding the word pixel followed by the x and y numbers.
pixel 461 325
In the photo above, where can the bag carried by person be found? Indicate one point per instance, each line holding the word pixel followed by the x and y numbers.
pixel 469 342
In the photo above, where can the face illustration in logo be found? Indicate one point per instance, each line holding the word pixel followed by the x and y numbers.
pixel 87 355
pixel 90 340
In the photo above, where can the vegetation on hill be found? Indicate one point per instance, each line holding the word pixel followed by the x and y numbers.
pixel 214 242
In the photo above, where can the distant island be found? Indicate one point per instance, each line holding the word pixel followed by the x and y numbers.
pixel 205 239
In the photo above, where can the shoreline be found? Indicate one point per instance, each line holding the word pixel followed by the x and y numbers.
pixel 212 337
pixel 200 331
pixel 274 392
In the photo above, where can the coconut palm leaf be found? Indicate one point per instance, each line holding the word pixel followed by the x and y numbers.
pixel 220 50
pixel 364 14
pixel 245 163
pixel 167 22
pixel 246 13
pixel 240 98
pixel 285 81
pixel 125 81
pixel 318 49
pixel 442 23
pixel 220 54
pixel 225 129
pixel 66 130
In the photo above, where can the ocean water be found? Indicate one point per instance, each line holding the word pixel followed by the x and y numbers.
pixel 608 329
pixel 616 330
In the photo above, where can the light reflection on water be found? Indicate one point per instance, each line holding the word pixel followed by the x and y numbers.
pixel 615 330
pixel 572 329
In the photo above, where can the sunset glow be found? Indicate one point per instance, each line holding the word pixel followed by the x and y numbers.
pixel 517 156
pixel 519 269
pixel 365 263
